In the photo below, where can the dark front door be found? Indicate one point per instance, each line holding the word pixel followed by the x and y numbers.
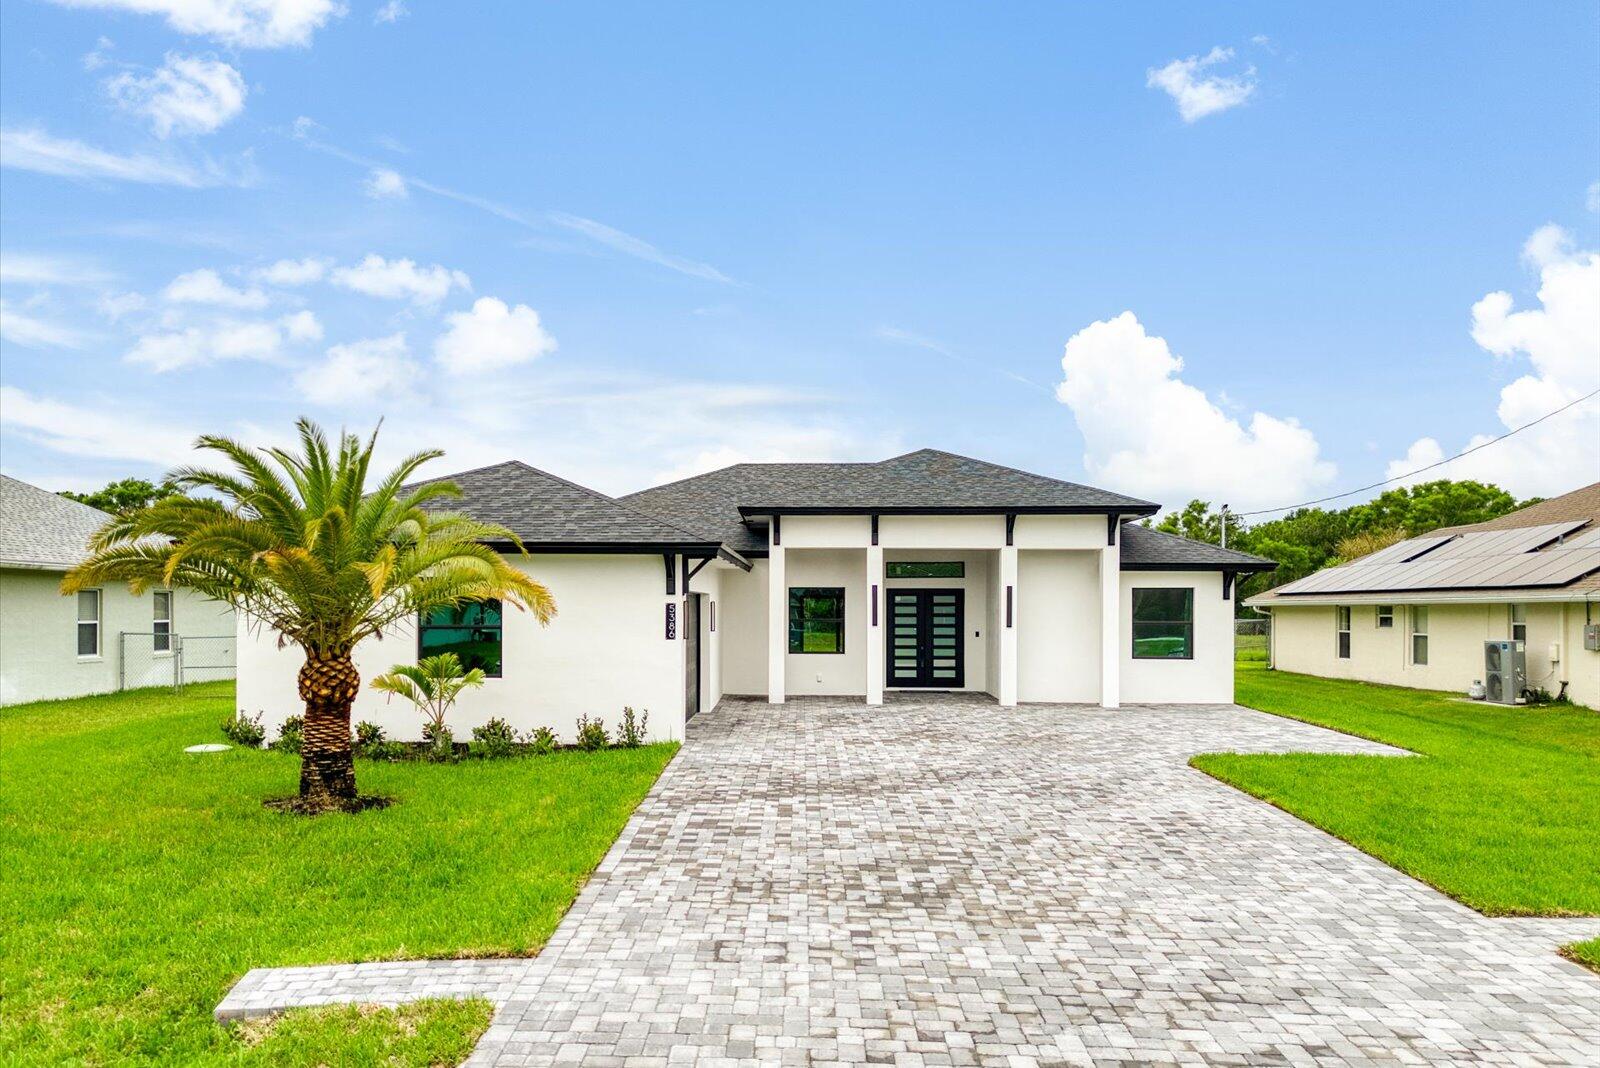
pixel 691 655
pixel 924 636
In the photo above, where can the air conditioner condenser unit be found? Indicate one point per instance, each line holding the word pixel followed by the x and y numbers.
pixel 1505 671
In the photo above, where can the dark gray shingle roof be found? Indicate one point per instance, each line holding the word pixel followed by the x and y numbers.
pixel 1143 547
pixel 541 508
pixel 927 479
pixel 43 529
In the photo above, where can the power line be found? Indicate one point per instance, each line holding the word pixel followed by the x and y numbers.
pixel 1429 467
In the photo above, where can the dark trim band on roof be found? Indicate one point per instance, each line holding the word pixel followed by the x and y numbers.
pixel 752 511
pixel 1195 565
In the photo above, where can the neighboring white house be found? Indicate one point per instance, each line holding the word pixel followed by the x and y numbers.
pixel 927 571
pixel 1418 613
pixel 98 640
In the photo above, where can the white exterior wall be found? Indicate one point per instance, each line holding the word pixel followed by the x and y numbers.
pixel 606 648
pixel 1208 677
pixel 39 638
pixel 708 583
pixel 1304 640
pixel 1058 625
pixel 742 622
pixel 831 674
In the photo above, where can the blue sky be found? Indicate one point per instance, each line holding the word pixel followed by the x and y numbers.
pixel 630 242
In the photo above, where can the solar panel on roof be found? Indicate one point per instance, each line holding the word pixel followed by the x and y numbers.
pixel 1500 542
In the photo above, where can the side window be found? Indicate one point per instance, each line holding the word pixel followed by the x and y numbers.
pixel 1163 623
pixel 1342 626
pixel 1419 634
pixel 1385 616
pixel 161 621
pixel 1519 623
pixel 88 622
pixel 471 631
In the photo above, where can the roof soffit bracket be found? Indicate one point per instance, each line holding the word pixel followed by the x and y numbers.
pixel 777 529
pixel 874 528
pixel 1011 528
pixel 1113 521
pixel 672 570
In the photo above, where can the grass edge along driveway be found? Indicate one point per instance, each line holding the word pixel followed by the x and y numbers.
pixel 143 881
pixel 1500 811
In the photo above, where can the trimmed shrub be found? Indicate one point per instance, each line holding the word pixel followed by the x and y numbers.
pixel 441 742
pixel 542 741
pixel 631 732
pixel 291 735
pixel 494 740
pixel 591 733
pixel 244 730
pixel 370 742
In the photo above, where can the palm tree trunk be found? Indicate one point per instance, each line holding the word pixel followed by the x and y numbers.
pixel 329 683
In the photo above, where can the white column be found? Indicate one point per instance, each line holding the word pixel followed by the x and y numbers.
pixel 777 624
pixel 1110 626
pixel 1009 605
pixel 875 639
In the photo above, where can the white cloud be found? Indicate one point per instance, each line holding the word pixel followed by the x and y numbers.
pixel 1560 342
pixel 361 370
pixel 198 345
pixel 491 336
pixel 302 326
pixel 400 280
pixel 293 272
pixel 115 306
pixel 96 58
pixel 385 184
pixel 205 287
pixel 392 11
pixel 187 95
pixel 636 247
pixel 111 432
pixel 1591 199
pixel 42 153
pixel 29 331
pixel 1149 433
pixel 1196 94
pixel 26 268
pixel 239 23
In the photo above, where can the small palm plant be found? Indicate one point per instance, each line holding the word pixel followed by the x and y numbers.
pixel 299 540
pixel 432 684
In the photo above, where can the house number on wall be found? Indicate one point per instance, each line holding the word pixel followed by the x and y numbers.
pixel 672 620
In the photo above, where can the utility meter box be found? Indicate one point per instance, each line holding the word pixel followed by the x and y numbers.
pixel 1591 637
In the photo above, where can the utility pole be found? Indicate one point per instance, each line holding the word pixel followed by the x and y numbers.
pixel 1224 526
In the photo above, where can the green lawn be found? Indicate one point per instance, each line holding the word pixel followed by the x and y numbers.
pixel 1501 812
pixel 141 881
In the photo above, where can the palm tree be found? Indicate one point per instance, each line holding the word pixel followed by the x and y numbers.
pixel 297 541
pixel 432 684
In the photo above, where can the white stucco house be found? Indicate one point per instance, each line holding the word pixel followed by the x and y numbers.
pixel 97 640
pixel 1419 612
pixel 928 571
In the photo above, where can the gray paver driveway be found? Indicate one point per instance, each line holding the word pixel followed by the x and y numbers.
pixel 940 881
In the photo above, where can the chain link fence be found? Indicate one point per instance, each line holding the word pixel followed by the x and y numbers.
pixel 173 660
pixel 1252 640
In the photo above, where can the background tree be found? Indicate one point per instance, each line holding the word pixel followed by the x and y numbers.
pixel 124 495
pixel 300 543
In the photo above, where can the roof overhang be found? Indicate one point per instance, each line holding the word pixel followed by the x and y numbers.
pixel 1131 511
pixel 1558 595
pixel 1239 568
pixel 36 565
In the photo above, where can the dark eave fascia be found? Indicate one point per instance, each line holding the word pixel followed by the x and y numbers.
pixel 738 560
pixel 1132 511
pixel 689 548
pixel 1195 566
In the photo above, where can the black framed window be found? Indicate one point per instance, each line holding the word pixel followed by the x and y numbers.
pixel 816 619
pixel 925 569
pixel 1163 623
pixel 471 631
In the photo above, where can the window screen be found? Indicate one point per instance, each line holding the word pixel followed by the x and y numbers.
pixel 88 622
pixel 1419 634
pixel 1342 626
pixel 161 621
pixel 1385 616
pixel 1163 624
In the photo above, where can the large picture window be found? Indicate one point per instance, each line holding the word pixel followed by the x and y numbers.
pixel 816 619
pixel 471 631
pixel 1342 627
pixel 924 569
pixel 1419 634
pixel 1163 624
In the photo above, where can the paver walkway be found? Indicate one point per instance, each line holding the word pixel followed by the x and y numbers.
pixel 938 881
